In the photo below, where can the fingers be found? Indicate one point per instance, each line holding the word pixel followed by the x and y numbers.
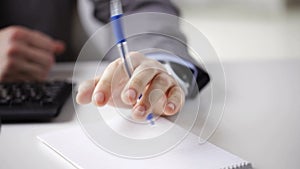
pixel 103 89
pixel 35 49
pixel 59 47
pixel 168 104
pixel 112 80
pixel 175 101
pixel 36 39
pixel 160 92
pixel 22 71
pixel 44 59
pixel 138 82
pixel 154 96
pixel 26 69
pixel 41 41
pixel 85 91
pixel 163 96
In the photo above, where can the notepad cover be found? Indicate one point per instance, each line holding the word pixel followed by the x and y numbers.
pixel 73 145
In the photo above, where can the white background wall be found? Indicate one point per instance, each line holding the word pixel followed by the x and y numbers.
pixel 246 29
pixel 270 5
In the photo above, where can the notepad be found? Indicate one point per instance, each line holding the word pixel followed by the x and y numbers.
pixel 74 146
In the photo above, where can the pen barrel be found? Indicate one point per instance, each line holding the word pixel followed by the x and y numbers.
pixel 123 50
pixel 115 7
pixel 117 28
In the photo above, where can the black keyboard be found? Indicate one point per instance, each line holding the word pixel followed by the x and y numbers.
pixel 32 101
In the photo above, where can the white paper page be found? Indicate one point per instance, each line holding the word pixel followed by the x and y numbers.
pixel 77 148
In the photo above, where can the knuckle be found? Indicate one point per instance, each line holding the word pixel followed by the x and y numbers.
pixel 146 66
pixel 145 103
pixel 136 82
pixel 145 70
pixel 177 90
pixel 176 98
pixel 154 62
pixel 153 65
pixel 38 34
pixel 135 54
pixel 162 80
pixel 12 49
pixel 115 64
pixel 14 27
pixel 105 83
pixel 16 32
pixel 148 69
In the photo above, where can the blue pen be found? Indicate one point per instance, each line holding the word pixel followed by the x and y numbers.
pixel 116 13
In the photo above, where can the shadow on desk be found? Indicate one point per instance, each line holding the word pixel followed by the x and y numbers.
pixel 64 71
pixel 67 113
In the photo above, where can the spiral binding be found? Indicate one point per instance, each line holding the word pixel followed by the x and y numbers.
pixel 243 165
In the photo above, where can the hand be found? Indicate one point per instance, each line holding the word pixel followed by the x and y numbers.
pixel 26 55
pixel 160 92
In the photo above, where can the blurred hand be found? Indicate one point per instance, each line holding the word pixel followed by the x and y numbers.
pixel 26 55
pixel 160 92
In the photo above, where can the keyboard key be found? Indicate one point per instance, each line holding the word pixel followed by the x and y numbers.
pixel 32 100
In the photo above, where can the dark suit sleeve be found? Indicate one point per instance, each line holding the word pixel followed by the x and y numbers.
pixel 157 26
pixel 102 13
pixel 174 40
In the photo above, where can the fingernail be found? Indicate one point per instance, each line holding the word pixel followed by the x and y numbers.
pixel 131 94
pixel 139 111
pixel 99 98
pixel 171 106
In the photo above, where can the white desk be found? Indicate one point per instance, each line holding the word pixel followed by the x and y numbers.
pixel 260 121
